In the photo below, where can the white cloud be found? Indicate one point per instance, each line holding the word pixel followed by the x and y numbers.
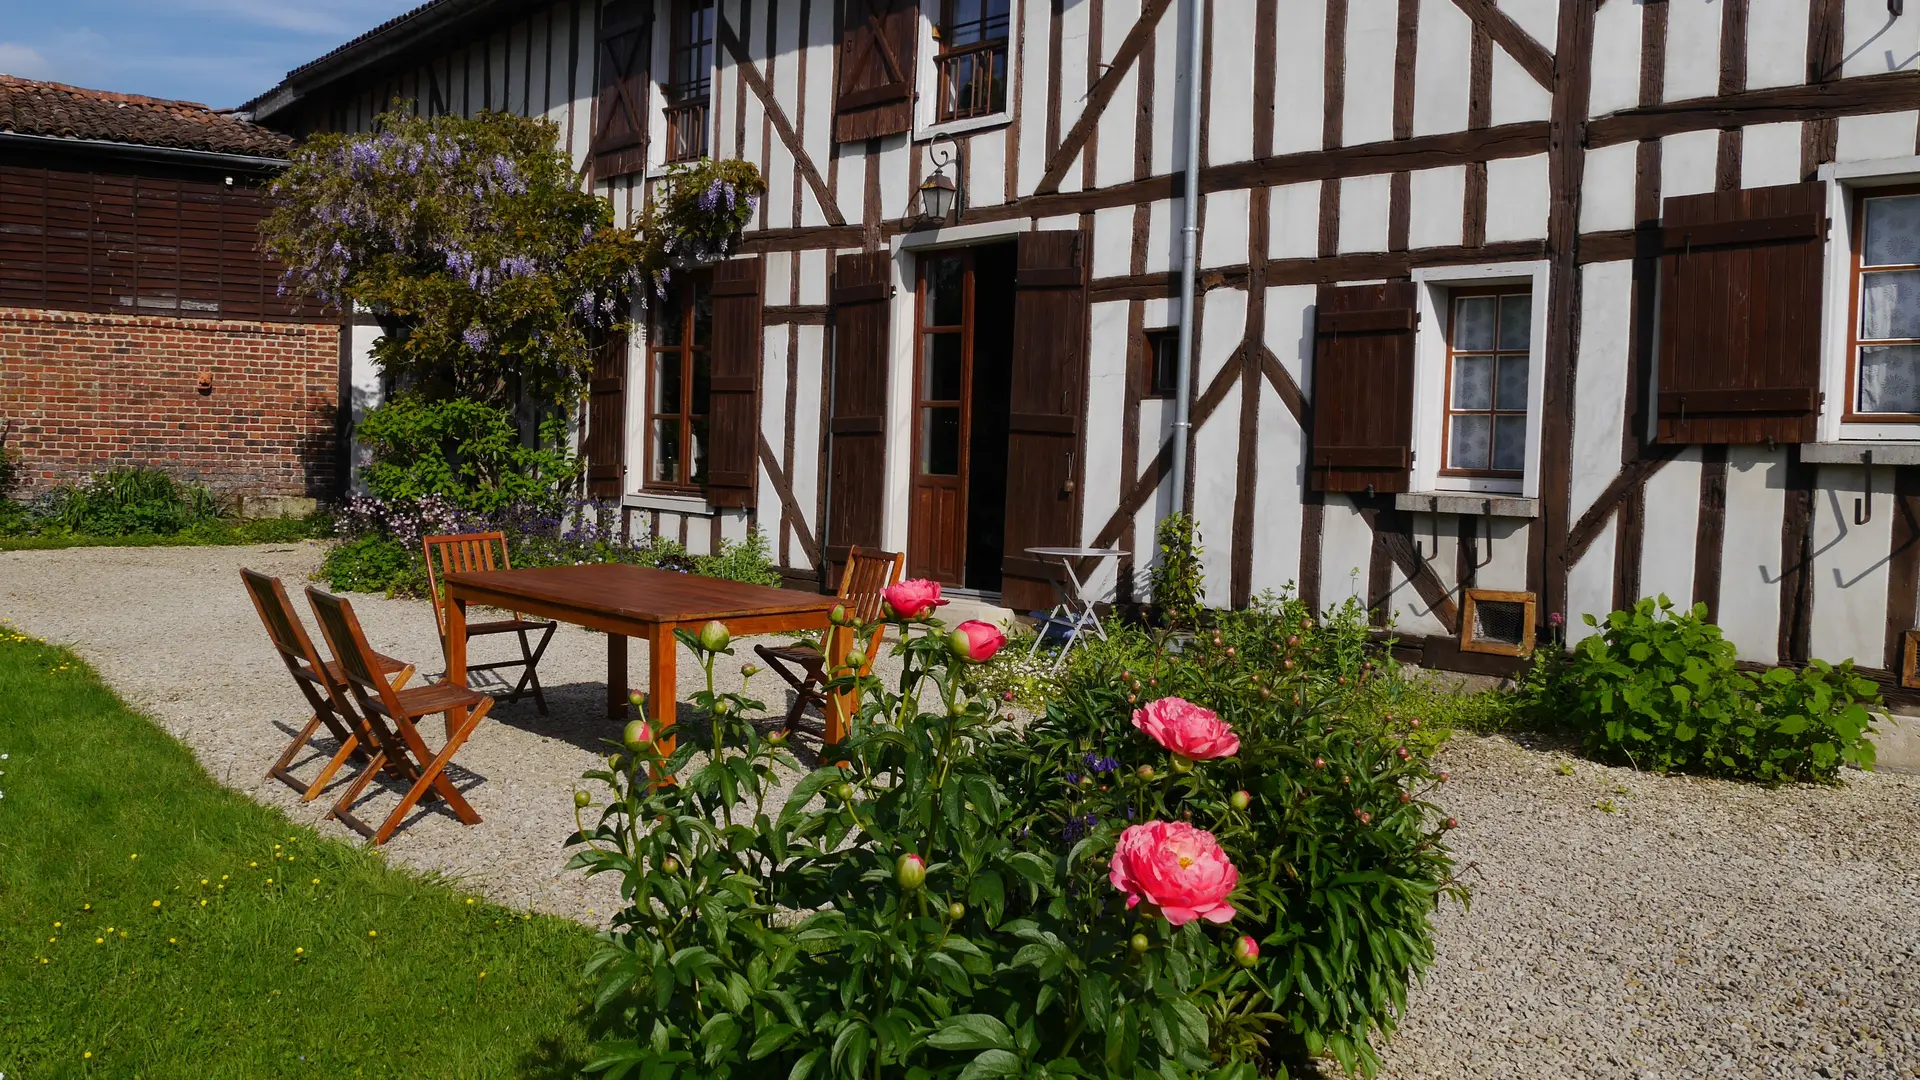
pixel 24 61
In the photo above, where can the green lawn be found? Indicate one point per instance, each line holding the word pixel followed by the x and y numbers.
pixel 155 924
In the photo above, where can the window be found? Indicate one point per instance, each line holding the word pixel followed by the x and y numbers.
pixel 1489 333
pixel 1883 347
pixel 689 87
pixel 679 385
pixel 1160 362
pixel 972 60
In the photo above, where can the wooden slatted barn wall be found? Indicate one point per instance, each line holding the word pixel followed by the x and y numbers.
pixel 76 240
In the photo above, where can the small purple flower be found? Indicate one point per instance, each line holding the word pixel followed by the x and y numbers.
pixel 476 337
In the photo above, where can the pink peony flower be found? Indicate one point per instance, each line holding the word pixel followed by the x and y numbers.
pixel 914 597
pixel 983 639
pixel 1177 868
pixel 1186 729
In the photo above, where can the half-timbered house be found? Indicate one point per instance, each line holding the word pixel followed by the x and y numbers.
pixel 1502 310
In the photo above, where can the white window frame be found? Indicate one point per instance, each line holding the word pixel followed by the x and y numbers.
pixel 1844 183
pixel 1435 287
pixel 926 80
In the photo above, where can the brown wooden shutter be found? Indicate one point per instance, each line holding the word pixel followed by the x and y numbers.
pixel 876 69
pixel 1046 398
pixel 606 441
pixel 1740 315
pixel 1363 387
pixel 857 428
pixel 733 406
pixel 619 110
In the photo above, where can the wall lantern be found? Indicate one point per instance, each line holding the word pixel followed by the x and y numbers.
pixel 940 194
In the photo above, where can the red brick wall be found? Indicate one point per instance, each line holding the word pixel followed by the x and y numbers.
pixel 85 392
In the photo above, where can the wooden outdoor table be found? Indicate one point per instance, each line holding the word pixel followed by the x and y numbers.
pixel 629 601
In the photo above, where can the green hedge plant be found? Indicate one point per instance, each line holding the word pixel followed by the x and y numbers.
pixel 1659 688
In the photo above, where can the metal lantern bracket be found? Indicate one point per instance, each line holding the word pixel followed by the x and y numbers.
pixel 941 188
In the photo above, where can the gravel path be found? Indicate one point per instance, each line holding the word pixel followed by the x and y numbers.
pixel 1695 929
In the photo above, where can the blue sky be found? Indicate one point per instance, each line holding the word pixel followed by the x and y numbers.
pixel 219 52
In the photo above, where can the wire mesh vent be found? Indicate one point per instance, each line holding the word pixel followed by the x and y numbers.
pixel 1500 622
pixel 1497 622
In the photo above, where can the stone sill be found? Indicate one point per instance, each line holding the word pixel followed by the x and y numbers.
pixel 1434 502
pixel 1854 453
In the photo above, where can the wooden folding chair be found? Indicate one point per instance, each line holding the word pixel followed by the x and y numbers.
pixel 803 666
pixel 474 551
pixel 322 683
pixel 390 714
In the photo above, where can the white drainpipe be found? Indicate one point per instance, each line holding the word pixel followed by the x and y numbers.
pixel 1190 256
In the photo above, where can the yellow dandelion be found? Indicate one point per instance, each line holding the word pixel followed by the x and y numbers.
pixel 469 900
pixel 483 974
pixel 203 903
pixel 56 926
pixel 299 952
pixel 132 857
pixel 123 933
pixel 253 866
pixel 171 941
pixel 269 881
pixel 43 959
pixel 99 941
pixel 88 1054
pixel 203 881
pixel 86 907
pixel 224 877
pixel 51 940
pixel 156 903
pixel 373 933
pixel 109 929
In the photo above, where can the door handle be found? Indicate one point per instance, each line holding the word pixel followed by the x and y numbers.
pixel 1068 487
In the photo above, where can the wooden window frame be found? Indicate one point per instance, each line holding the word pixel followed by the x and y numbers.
pixel 1148 364
pixel 944 58
pixel 688 113
pixel 922 329
pixel 683 300
pixel 1454 296
pixel 1850 413
pixel 1470 600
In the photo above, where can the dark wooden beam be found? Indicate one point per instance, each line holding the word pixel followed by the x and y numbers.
pixel 1393 537
pixel 1895 91
pixel 789 506
pixel 1525 50
pixel 1099 95
pixel 1630 478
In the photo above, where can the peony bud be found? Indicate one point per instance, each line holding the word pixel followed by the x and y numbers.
pixel 715 636
pixel 1144 772
pixel 749 670
pixel 1319 763
pixel 1402 753
pixel 1240 800
pixel 582 800
pixel 856 659
pixel 1246 951
pixel 1230 651
pixel 956 911
pixel 1133 699
pixel 843 791
pixel 1139 943
pixel 636 699
pixel 669 865
pixel 838 615
pixel 722 707
pixel 1415 722
pixel 778 738
pixel 1365 818
pixel 1007 696
pixel 959 646
pixel 1443 777
pixel 1451 823
pixel 616 762
pixel 638 736
pixel 910 872
pixel 1405 798
pixel 1182 765
pixel 1287 664
pixel 1293 639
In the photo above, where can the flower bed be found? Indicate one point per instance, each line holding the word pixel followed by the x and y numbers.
pixel 1213 864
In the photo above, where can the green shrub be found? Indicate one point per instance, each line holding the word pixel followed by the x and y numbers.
pixel 747 560
pixel 129 502
pixel 1660 689
pixel 9 471
pixel 1341 857
pixel 374 564
pixel 1176 580
pixel 465 452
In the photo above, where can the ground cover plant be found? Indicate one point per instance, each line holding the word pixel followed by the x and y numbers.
pixel 1127 888
pixel 140 506
pixel 155 924
pixel 1659 688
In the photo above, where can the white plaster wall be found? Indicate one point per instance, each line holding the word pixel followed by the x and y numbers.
pixel 1224 315
pixel 1693 49
pixel 1436 199
pixel 1106 399
pixel 807 434
pixel 987 166
pixel 1671 523
pixel 1616 59
pixel 1113 154
pixel 1112 241
pixel 1031 87
pixel 1606 187
pixel 1289 332
pixel 1445 50
pixel 1516 96
pixel 1223 240
pixel 1749 606
pixel 1590 584
pixel 816 276
pixel 817 134
pixel 1216 448
pixel 1276 498
pixel 1074 28
pixel 1688 161
pixel 1230 102
pixel 1293 221
pixel 1164 221
pixel 1849 618
pixel 1539 18
pixel 1600 380
pixel 1880 135
pixel 1371 36
pixel 1874 41
pixel 1363 212
pixel 1770 154
pixel 1517 198
pixel 1346 552
pixel 1776 43
pixel 1300 86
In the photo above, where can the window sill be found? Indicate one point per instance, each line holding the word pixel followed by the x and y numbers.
pixel 1855 453
pixel 961 127
pixel 667 500
pixel 1437 502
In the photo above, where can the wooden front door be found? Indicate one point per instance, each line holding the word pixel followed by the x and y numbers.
pixel 942 417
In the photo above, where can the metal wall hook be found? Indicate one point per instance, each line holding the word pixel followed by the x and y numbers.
pixel 1473 544
pixel 1433 508
pixel 1863 507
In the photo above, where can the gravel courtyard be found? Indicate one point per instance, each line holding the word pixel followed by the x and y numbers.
pixel 1622 925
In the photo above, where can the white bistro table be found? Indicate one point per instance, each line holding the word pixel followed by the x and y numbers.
pixel 1074 613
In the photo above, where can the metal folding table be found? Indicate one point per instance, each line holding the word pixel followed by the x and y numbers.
pixel 1074 613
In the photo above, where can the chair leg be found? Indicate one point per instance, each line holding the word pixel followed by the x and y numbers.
pixel 281 770
pixel 343 807
pixel 434 775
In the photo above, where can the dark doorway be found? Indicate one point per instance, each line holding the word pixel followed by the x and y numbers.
pixel 963 375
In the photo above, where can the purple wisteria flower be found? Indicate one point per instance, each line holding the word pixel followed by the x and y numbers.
pixel 477 338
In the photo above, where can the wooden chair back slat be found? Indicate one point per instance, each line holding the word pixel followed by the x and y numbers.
pixel 869 571
pixel 460 554
pixel 283 626
pixel 341 627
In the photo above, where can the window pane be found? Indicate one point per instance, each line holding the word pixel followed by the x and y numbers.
pixel 699 431
pixel 702 383
pixel 666 451
pixel 1890 304
pixel 965 29
pixel 1473 382
pixel 946 296
pixel 1166 363
pixel 670 326
pixel 702 314
pixel 666 381
pixel 1516 321
pixel 1511 393
pixel 943 368
pixel 940 441
pixel 1510 443
pixel 1890 379
pixel 1893 231
pixel 1473 318
pixel 1470 436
